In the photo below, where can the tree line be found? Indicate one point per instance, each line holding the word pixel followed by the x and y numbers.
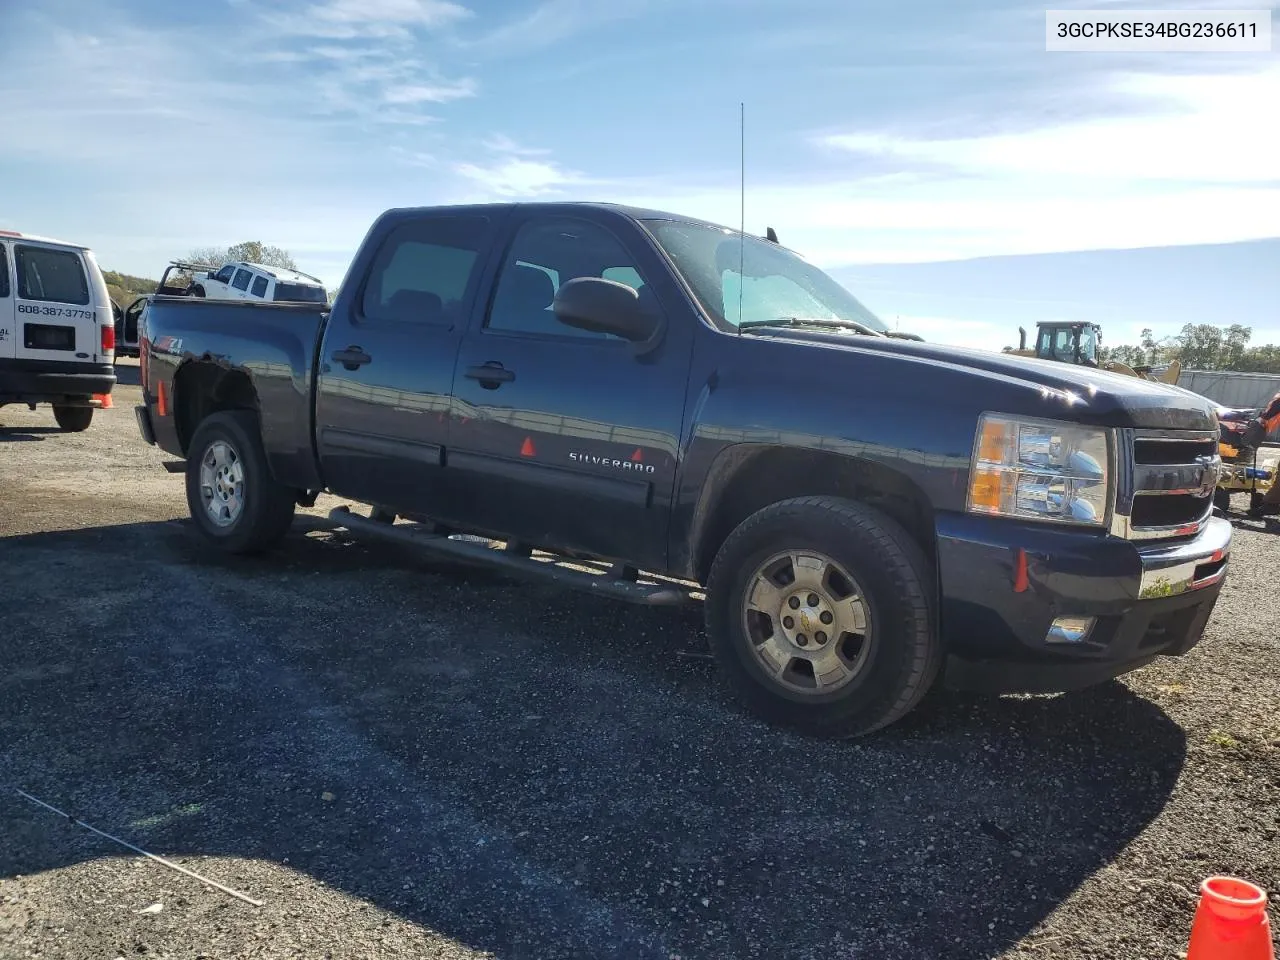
pixel 1200 346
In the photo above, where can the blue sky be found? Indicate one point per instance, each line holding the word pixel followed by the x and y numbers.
pixel 881 137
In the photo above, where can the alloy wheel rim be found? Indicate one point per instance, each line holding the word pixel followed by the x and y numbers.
pixel 222 483
pixel 807 622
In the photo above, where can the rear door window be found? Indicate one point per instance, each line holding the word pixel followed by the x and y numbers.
pixel 54 276
pixel 259 286
pixel 422 271
pixel 4 271
pixel 241 282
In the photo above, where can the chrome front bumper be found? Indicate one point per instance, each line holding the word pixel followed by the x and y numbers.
pixel 1190 565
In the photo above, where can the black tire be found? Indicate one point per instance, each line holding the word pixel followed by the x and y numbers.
pixel 1222 500
pixel 268 506
pixel 72 419
pixel 195 290
pixel 905 653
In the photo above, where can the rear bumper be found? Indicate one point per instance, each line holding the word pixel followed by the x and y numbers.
pixel 1003 584
pixel 52 381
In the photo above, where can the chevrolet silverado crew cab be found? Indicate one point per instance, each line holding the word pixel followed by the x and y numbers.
pixel 255 282
pixel 57 328
pixel 660 409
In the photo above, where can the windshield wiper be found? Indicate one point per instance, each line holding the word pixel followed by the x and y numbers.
pixel 811 322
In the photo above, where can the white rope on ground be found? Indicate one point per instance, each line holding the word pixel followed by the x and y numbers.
pixel 124 843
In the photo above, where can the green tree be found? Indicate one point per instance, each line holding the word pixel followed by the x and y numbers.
pixel 251 251
pixel 1264 359
pixel 1200 346
pixel 1235 343
pixel 124 289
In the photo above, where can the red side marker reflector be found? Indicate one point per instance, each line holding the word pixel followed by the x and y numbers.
pixel 1020 575
pixel 162 404
pixel 526 448
pixel 638 455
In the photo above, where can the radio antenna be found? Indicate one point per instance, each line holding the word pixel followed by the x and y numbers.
pixel 742 200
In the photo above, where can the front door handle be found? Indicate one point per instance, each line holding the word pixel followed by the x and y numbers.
pixel 352 357
pixel 491 375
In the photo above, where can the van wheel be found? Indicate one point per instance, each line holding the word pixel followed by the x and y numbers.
pixel 819 615
pixel 72 419
pixel 233 498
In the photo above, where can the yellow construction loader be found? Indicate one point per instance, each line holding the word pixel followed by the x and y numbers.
pixel 1078 343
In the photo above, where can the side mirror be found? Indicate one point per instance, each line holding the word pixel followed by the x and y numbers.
pixel 604 306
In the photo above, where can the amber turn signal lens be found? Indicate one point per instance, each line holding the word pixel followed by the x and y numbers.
pixel 997 437
pixel 990 489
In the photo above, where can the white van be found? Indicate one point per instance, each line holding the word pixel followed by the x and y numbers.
pixel 253 281
pixel 57 330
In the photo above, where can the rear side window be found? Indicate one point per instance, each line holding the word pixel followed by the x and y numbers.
pixel 259 286
pixel 4 271
pixel 241 282
pixel 56 276
pixel 300 293
pixel 422 272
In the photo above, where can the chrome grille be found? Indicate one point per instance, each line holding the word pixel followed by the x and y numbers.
pixel 1165 483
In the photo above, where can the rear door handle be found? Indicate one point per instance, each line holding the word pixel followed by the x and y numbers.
pixel 490 374
pixel 352 357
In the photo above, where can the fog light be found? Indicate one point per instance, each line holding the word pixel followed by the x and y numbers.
pixel 1069 629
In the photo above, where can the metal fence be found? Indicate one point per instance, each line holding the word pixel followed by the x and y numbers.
pixel 1232 389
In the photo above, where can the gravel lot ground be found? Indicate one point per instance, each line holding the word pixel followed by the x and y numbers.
pixel 403 760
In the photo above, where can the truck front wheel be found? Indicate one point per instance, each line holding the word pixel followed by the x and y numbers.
pixel 819 614
pixel 233 498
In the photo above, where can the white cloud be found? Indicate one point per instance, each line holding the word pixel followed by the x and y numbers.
pixel 427 13
pixel 517 171
pixel 1220 128
pixel 429 93
pixel 515 177
pixel 377 19
pixel 1202 167
pixel 500 143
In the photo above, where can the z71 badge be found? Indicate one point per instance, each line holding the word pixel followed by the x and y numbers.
pixel 612 462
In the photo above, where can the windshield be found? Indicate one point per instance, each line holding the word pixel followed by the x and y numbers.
pixel 778 285
pixel 1062 343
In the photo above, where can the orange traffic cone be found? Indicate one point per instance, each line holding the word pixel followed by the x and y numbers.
pixel 1231 922
pixel 104 399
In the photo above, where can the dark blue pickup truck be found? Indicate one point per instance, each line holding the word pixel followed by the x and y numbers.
pixel 661 409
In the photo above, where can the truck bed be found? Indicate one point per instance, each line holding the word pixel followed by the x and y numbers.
pixel 272 344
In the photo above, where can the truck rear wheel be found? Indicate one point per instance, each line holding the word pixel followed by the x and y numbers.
pixel 819 614
pixel 72 419
pixel 233 498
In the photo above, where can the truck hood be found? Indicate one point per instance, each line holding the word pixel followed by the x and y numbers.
pixel 1112 399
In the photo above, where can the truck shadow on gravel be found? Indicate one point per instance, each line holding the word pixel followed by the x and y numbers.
pixel 24 434
pixel 531 772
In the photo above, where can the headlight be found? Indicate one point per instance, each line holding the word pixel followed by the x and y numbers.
pixel 1039 470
